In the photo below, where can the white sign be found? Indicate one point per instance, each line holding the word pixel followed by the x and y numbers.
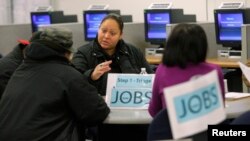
pixel 245 70
pixel 194 104
pixel 129 91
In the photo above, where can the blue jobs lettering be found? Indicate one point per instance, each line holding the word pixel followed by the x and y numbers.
pixel 197 103
pixel 121 97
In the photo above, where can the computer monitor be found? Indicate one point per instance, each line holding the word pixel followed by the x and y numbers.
pixel 155 21
pixel 92 20
pixel 39 19
pixel 228 24
pixel 49 17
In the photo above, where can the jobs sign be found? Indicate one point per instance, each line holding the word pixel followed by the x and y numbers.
pixel 129 90
pixel 195 104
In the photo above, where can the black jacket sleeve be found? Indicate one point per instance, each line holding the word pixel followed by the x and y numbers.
pixel 89 107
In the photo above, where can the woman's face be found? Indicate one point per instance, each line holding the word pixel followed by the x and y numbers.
pixel 109 34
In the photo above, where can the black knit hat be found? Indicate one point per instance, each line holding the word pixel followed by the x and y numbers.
pixel 60 36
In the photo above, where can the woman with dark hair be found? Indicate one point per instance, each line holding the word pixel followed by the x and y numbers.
pixel 109 53
pixel 183 59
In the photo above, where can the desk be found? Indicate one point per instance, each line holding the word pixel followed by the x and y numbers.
pixel 133 124
pixel 129 116
pixel 153 60
pixel 223 63
pixel 141 116
pixel 234 108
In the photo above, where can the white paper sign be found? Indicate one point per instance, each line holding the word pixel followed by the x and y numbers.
pixel 194 104
pixel 129 91
pixel 245 70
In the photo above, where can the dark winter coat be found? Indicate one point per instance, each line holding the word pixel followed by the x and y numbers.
pixel 8 64
pixel 47 99
pixel 127 59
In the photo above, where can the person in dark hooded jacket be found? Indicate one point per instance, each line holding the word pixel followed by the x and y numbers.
pixel 47 99
pixel 10 62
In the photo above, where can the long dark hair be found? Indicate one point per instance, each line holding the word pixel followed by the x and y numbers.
pixel 186 44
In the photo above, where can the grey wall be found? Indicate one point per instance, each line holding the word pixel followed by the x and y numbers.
pixel 18 11
pixel 203 9
pixel 5 12
pixel 133 7
pixel 9 34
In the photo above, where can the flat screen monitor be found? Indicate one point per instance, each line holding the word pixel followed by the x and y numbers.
pixel 155 21
pixel 228 27
pixel 39 19
pixel 92 20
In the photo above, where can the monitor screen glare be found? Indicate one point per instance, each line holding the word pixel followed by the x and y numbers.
pixel 38 20
pixel 157 25
pixel 93 22
pixel 230 26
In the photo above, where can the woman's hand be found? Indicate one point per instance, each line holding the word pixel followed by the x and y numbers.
pixel 100 69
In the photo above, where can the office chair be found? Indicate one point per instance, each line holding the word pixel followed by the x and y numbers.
pixel 160 129
pixel 242 119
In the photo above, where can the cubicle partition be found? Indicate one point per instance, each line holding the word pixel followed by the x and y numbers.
pixel 133 33
pixel 10 34
pixel 209 28
pixel 245 42
pixel 213 47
